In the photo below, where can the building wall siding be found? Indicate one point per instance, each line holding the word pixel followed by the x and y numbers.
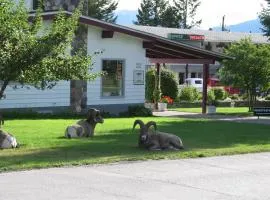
pixel 31 97
pixel 120 47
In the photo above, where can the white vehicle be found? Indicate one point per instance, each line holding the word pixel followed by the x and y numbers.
pixel 195 82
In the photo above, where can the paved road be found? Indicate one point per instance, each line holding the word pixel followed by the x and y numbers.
pixel 251 119
pixel 241 177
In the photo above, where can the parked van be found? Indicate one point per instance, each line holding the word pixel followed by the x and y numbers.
pixel 195 82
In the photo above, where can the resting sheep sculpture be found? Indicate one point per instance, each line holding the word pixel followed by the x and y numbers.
pixel 156 140
pixel 85 128
pixel 7 140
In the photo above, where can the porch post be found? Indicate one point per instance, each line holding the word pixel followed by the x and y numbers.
pixel 157 83
pixel 205 78
pixel 186 69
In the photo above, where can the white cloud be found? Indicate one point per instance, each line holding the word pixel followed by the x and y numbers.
pixel 211 11
pixel 128 4
pixel 236 11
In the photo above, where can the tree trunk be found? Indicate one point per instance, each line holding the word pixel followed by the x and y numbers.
pixel 249 100
pixel 3 88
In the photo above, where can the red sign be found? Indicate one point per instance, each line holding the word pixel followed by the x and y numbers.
pixel 196 37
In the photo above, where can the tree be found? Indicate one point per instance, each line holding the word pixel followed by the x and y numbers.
pixel 265 19
pixel 151 12
pixel 168 84
pixel 160 13
pixel 31 54
pixel 103 10
pixel 250 68
pixel 186 12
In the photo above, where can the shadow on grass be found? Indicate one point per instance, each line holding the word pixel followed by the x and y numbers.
pixel 114 146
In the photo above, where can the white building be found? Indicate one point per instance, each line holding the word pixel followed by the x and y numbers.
pixel 126 52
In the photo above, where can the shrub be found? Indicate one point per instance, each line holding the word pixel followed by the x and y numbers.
pixel 220 93
pixel 234 97
pixel 267 98
pixel 137 111
pixel 156 95
pixel 211 97
pixel 189 94
pixel 169 85
pixel 150 85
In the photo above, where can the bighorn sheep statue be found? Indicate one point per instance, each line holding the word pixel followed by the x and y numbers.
pixel 155 140
pixel 6 139
pixel 85 128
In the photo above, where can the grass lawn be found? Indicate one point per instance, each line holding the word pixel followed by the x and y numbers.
pixel 236 111
pixel 43 144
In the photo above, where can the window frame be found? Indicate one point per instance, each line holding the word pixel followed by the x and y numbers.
pixel 123 79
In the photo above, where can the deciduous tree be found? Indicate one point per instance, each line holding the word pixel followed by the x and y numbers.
pixel 250 68
pixel 32 54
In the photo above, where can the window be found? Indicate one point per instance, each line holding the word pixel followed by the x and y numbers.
pixel 193 75
pixel 199 82
pixel 199 75
pixel 181 77
pixel 35 4
pixel 112 82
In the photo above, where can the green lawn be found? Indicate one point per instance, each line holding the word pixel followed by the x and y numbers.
pixel 43 144
pixel 236 111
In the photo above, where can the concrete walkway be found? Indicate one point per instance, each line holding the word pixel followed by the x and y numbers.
pixel 241 177
pixel 252 119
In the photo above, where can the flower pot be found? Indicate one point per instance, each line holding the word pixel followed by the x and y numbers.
pixel 162 106
pixel 211 109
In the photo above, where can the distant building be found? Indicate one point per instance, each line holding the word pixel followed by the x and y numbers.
pixel 205 39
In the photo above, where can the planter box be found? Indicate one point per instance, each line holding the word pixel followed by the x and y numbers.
pixel 162 106
pixel 211 109
pixel 151 106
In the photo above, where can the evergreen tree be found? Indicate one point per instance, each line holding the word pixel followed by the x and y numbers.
pixel 103 10
pixel 152 12
pixel 186 12
pixel 169 18
pixel 265 19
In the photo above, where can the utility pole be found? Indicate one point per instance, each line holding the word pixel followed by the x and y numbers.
pixel 223 24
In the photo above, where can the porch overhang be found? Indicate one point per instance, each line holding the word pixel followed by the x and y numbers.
pixel 181 61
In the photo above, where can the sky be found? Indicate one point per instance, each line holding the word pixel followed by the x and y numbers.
pixel 212 11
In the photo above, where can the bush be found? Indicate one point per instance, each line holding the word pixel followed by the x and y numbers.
pixel 150 85
pixel 267 98
pixel 168 85
pixel 235 97
pixel 211 97
pixel 137 111
pixel 220 93
pixel 189 94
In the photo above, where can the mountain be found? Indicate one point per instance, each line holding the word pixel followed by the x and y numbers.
pixel 126 17
pixel 253 26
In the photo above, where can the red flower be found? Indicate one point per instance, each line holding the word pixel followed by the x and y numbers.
pixel 166 99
